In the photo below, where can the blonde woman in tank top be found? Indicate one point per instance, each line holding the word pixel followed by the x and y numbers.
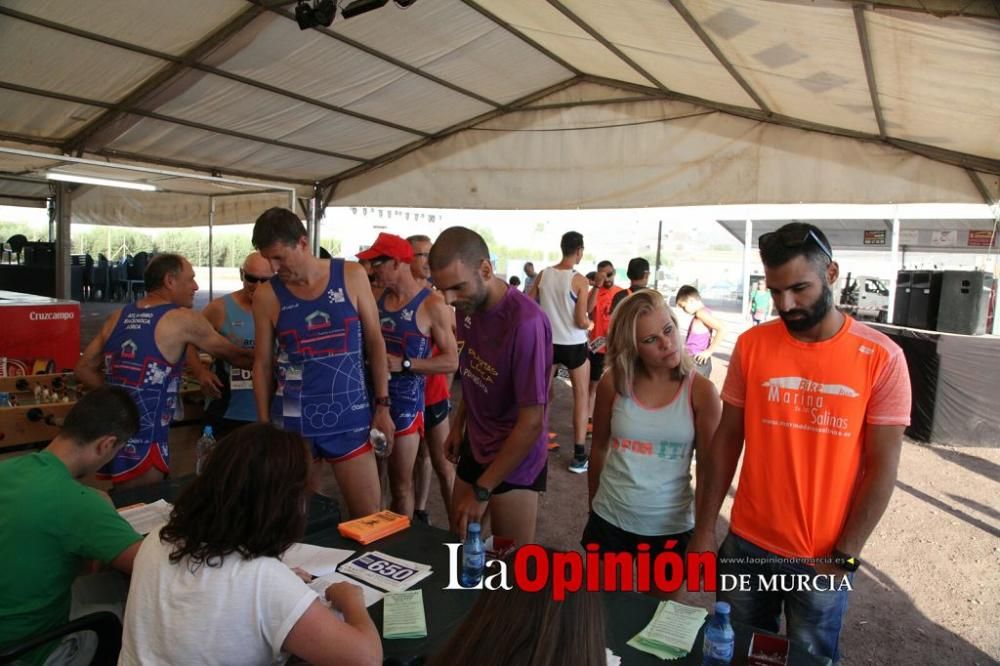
pixel 652 412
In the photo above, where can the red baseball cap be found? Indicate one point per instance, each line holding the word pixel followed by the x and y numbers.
pixel 388 245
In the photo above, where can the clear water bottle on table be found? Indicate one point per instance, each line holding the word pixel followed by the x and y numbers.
pixel 473 557
pixel 719 638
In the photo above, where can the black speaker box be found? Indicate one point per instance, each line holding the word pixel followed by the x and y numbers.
pixel 925 297
pixel 901 304
pixel 965 298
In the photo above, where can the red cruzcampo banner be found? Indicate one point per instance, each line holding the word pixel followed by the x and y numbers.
pixel 38 337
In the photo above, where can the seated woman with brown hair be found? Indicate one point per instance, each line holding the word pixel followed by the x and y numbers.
pixel 507 627
pixel 209 587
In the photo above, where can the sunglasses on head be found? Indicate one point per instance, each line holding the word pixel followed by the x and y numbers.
pixel 253 279
pixel 793 238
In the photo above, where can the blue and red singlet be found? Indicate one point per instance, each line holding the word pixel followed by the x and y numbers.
pixel 404 338
pixel 321 381
pixel 134 362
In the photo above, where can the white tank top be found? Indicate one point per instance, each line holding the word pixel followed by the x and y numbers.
pixel 645 485
pixel 555 295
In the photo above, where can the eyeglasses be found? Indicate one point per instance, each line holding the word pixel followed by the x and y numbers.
pixel 793 238
pixel 253 279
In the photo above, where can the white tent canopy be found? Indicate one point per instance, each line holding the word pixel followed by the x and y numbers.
pixel 514 103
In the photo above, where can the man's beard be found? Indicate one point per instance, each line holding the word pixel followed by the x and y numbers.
pixel 810 316
pixel 476 302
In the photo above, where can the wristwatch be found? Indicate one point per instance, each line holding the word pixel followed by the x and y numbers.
pixel 845 561
pixel 482 494
pixel 384 401
pixel 407 364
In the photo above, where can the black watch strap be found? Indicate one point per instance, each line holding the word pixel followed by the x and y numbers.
pixel 482 494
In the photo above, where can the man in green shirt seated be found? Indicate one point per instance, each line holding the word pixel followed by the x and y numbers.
pixel 52 526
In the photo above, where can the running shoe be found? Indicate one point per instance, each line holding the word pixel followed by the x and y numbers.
pixel 579 465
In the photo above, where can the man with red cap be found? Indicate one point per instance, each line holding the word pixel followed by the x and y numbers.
pixel 412 319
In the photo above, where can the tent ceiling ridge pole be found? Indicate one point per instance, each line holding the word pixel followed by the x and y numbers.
pixel 523 37
pixel 141 169
pixel 608 44
pixel 719 55
pixel 205 68
pixel 866 54
pixel 389 59
pixel 177 121
pixel 587 102
pixel 163 76
pixel 403 150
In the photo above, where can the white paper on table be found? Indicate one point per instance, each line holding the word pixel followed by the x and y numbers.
pixel 371 595
pixel 148 517
pixel 316 560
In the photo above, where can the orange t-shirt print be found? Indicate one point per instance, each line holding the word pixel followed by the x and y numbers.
pixel 805 410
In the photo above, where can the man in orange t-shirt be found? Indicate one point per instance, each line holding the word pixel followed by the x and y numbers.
pixel 821 401
pixel 599 302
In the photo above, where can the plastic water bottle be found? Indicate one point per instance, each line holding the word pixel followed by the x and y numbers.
pixel 5 400
pixel 473 557
pixel 203 448
pixel 379 442
pixel 719 638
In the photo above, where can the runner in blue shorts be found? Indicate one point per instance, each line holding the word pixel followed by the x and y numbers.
pixel 321 316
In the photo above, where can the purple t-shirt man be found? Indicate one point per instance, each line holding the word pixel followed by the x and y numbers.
pixel 505 356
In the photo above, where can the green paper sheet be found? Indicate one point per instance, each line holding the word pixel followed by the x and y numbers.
pixel 403 615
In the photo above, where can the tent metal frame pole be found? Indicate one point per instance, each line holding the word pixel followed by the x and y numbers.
pixel 894 258
pixel 943 155
pixel 163 76
pixel 314 205
pixel 659 244
pixel 523 37
pixel 64 208
pixel 747 258
pixel 385 57
pixel 198 66
pixel 719 55
pixel 866 55
pixel 608 44
pixel 448 131
pixel 152 115
pixel 211 233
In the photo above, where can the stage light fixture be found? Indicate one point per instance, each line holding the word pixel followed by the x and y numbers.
pixel 324 12
pixel 320 13
pixel 361 6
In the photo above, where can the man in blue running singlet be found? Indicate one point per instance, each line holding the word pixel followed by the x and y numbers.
pixel 322 316
pixel 412 319
pixel 141 349
pixel 231 315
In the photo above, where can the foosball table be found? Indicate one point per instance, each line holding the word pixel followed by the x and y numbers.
pixel 32 407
